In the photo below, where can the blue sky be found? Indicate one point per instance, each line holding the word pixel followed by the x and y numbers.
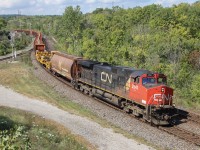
pixel 56 7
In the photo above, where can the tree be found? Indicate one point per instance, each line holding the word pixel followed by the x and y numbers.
pixel 2 23
pixel 195 91
pixel 72 18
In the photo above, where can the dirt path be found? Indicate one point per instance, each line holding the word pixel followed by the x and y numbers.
pixel 102 138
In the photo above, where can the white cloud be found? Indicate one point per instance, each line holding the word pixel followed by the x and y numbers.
pixel 109 1
pixel 16 4
pixel 44 7
pixel 90 1
pixel 54 2
pixel 9 4
pixel 171 2
pixel 101 1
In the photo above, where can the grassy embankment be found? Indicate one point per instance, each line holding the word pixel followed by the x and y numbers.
pixel 22 130
pixel 18 76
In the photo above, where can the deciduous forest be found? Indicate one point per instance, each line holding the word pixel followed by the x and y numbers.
pixel 160 39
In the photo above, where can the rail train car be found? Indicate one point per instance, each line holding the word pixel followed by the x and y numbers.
pixel 139 92
pixel 65 65
pixel 38 43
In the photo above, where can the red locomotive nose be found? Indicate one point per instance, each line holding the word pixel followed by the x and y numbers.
pixel 160 95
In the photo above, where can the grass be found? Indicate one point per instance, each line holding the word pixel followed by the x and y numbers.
pixel 187 103
pixel 26 131
pixel 19 77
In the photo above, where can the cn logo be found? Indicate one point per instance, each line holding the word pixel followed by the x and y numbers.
pixel 105 77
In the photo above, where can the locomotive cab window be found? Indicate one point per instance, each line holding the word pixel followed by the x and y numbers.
pixel 148 80
pixel 162 81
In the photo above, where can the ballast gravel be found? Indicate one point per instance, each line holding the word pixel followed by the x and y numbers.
pixel 101 138
pixel 133 126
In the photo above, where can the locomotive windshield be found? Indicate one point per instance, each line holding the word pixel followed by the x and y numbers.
pixel 162 81
pixel 148 80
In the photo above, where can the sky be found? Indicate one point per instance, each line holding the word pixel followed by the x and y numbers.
pixel 57 7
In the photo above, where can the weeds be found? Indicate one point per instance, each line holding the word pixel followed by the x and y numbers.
pixel 36 133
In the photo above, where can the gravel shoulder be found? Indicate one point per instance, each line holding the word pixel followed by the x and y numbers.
pixel 133 126
pixel 102 138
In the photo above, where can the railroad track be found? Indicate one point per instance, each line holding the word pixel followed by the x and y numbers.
pixel 5 58
pixel 11 57
pixel 183 134
pixel 174 130
pixel 18 53
pixel 194 118
pixel 189 116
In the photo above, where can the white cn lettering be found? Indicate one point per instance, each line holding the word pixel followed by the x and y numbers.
pixel 105 77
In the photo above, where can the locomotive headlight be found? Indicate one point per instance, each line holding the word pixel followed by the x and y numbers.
pixel 163 90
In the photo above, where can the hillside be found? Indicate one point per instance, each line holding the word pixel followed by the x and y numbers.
pixel 152 37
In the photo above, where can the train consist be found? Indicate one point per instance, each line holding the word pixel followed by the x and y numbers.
pixel 38 42
pixel 139 92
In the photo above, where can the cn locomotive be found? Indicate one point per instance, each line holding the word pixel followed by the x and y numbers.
pixel 139 92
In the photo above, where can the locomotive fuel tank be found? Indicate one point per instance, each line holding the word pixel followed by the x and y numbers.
pixel 65 65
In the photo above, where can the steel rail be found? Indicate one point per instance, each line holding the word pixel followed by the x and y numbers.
pixel 173 130
pixel 183 134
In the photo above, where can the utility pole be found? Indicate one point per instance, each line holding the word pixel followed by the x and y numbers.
pixel 49 28
pixel 30 28
pixel 20 24
pixel 12 41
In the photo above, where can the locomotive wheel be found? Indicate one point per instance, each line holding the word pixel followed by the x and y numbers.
pixel 81 88
pixel 90 93
pixel 85 92
pixel 127 110
pixel 54 73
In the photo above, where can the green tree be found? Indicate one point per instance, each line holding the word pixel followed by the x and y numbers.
pixel 72 18
pixel 2 23
pixel 195 91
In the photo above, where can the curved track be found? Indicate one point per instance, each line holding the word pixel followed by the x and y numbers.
pixel 4 58
pixel 194 117
pixel 18 53
pixel 189 116
pixel 174 130
pixel 183 134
